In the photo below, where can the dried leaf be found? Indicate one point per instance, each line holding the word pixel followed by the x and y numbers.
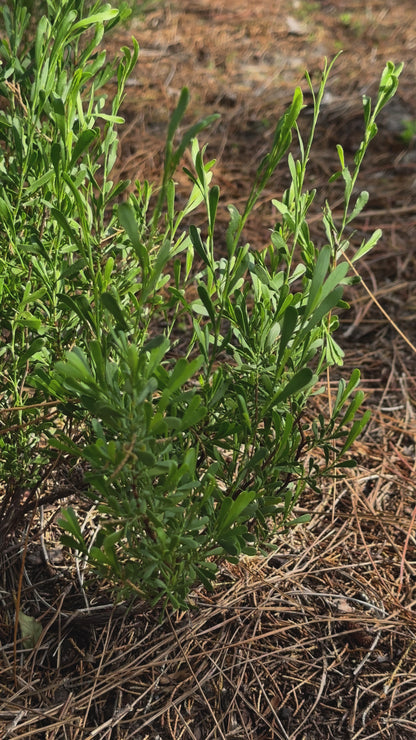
pixel 30 630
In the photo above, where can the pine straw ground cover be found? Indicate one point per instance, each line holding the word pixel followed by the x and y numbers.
pixel 318 640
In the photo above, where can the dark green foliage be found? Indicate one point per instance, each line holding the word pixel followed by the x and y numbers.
pixel 191 456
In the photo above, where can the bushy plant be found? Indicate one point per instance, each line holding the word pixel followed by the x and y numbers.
pixel 190 409
pixel 59 143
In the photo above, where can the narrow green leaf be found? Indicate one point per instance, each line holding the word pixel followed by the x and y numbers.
pixel 178 113
pixel 323 309
pixel 290 319
pixel 110 303
pixel 189 135
pixel 84 140
pixel 68 541
pixel 233 509
pixel 367 109
pixel 299 381
pixel 80 305
pixel 207 302
pixel 341 156
pixel 73 270
pixel 345 390
pixel 303 519
pixel 213 199
pixel 194 413
pixel 69 522
pixel 318 278
pixel 63 223
pixel 232 229
pixel 284 438
pixel 40 182
pixel 129 224
pixel 111 118
pixel 352 409
pixel 179 376
pixel 198 245
pixel 366 246
pixel 356 430
pixel 362 201
pixel 107 14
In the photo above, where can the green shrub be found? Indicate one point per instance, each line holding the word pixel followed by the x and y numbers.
pixel 192 411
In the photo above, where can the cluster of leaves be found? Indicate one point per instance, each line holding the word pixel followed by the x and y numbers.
pixel 59 145
pixel 195 454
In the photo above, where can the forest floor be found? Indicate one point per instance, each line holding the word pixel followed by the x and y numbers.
pixel 319 640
